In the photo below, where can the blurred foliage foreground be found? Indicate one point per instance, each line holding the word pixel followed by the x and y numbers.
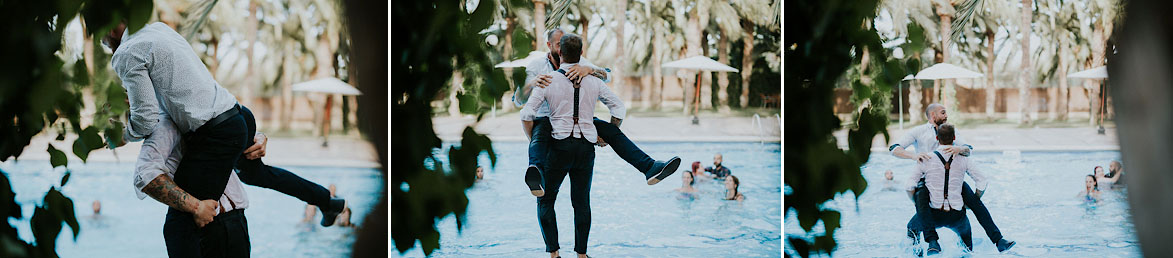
pixel 823 40
pixel 41 89
pixel 424 58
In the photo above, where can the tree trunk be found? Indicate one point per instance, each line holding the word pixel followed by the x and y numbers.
pixel 914 102
pixel 453 102
pixel 747 59
pixel 991 92
pixel 949 91
pixel 1025 78
pixel 723 77
pixel 584 22
pixel 692 36
pixel 703 7
pixel 251 78
pixel 657 74
pixel 507 50
pixel 620 51
pixel 1099 48
pixel 540 23
pixel 1063 87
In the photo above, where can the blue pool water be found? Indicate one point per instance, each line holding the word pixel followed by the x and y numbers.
pixel 630 218
pixel 1032 198
pixel 129 227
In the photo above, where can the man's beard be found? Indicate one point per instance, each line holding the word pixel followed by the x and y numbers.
pixel 557 57
pixel 940 121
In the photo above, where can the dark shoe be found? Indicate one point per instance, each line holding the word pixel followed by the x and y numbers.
pixel 934 248
pixel 661 170
pixel 533 179
pixel 329 214
pixel 1004 245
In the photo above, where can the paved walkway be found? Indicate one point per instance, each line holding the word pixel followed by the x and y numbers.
pixel 1020 139
pixel 712 128
pixel 343 151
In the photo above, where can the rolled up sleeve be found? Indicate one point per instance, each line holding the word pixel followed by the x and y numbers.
pixel 536 99
pixel 614 104
pixel 607 71
pixel 132 68
pixel 160 155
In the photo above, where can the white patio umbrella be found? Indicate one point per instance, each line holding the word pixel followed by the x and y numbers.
pixel 522 62
pixel 328 85
pixel 699 63
pixel 1094 73
pixel 946 71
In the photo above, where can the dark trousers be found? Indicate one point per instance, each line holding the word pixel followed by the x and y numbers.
pixel 541 138
pixel 210 153
pixel 972 203
pixel 928 219
pixel 574 157
pixel 225 236
pixel 254 172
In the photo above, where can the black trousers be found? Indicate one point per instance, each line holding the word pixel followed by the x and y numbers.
pixel 972 203
pixel 210 153
pixel 254 172
pixel 574 157
pixel 541 138
pixel 928 219
pixel 225 236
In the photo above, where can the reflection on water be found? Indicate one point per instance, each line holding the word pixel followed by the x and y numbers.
pixel 1033 198
pixel 630 218
pixel 129 227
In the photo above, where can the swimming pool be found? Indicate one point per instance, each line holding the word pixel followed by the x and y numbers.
pixel 129 227
pixel 630 218
pixel 1032 198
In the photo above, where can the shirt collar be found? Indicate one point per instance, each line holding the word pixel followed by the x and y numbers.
pixel 565 64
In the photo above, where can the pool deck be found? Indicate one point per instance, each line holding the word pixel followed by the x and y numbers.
pixel 1016 139
pixel 343 151
pixel 639 128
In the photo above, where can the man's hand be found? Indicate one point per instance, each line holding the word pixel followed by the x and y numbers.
pixel 258 149
pixel 205 212
pixel 544 80
pixel 600 142
pixel 912 195
pixel 577 72
pixel 951 150
pixel 979 193
pixel 923 157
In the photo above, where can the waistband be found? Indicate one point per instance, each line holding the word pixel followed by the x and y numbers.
pixel 231 112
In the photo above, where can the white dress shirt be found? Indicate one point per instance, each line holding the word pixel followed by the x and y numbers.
pixel 924 139
pixel 163 75
pixel 538 67
pixel 933 170
pixel 161 153
pixel 559 96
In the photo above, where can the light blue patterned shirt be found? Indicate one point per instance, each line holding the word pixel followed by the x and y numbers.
pixel 162 74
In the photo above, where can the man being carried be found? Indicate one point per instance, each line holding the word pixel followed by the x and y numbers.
pixel 943 176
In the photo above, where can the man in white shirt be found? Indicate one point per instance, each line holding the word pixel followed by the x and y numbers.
pixel 923 139
pixel 539 74
pixel 943 177
pixel 572 106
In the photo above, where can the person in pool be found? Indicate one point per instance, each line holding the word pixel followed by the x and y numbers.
pixel 1112 178
pixel 1091 191
pixel 889 182
pixel 941 191
pixel 924 139
pixel 480 173
pixel 698 172
pixel 686 183
pixel 718 170
pixel 731 192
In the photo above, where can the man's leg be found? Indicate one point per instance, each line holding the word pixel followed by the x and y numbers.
pixel 979 210
pixel 960 225
pixel 236 233
pixel 210 154
pixel 181 235
pixel 580 192
pixel 653 171
pixel 923 212
pixel 254 172
pixel 540 139
pixel 553 173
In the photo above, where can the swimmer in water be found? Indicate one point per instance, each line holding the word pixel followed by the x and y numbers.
pixel 1091 191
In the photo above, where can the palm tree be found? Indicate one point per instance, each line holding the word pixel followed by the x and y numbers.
pixel 727 23
pixel 1025 79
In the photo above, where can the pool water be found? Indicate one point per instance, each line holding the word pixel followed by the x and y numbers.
pixel 129 227
pixel 629 218
pixel 1033 198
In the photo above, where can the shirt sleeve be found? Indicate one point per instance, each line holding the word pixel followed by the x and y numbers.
pixel 614 104
pixel 536 99
pixel 914 179
pixel 607 71
pixel 907 140
pixel 532 71
pixel 144 105
pixel 980 180
pixel 157 156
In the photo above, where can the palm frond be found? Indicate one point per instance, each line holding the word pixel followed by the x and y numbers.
pixel 195 20
pixel 964 17
pixel 560 8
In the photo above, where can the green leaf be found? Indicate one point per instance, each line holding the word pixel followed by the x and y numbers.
pixel 81 76
pixel 62 207
pixel 116 98
pixel 87 141
pixel 140 13
pixel 65 178
pixel 113 135
pixel 56 157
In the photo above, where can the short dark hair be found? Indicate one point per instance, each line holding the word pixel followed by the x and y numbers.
pixel 945 133
pixel 571 48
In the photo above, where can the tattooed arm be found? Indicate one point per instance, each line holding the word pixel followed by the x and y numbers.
pixel 164 190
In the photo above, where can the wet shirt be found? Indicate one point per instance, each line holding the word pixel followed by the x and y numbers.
pixel 720 171
pixel 160 155
pixel 933 171
pixel 559 96
pixel 163 75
